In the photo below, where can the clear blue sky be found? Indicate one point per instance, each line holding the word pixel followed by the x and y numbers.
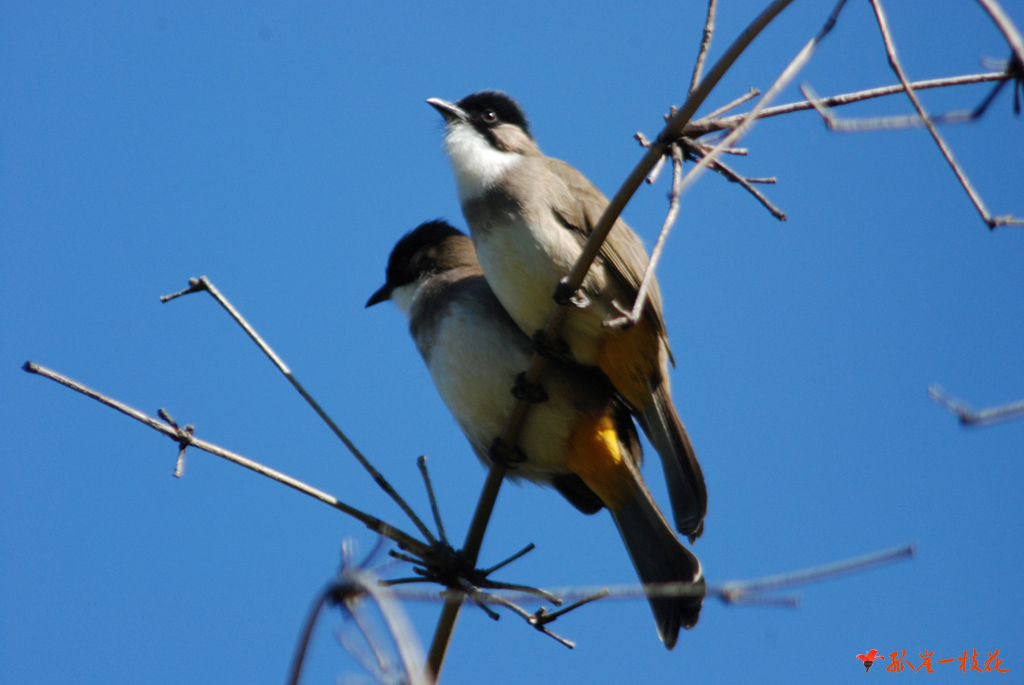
pixel 281 149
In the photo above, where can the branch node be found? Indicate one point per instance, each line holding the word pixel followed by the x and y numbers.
pixel 194 285
pixel 566 295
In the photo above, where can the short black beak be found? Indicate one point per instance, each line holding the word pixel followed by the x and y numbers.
pixel 449 110
pixel 384 293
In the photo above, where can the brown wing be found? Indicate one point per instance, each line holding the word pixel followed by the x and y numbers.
pixel 622 252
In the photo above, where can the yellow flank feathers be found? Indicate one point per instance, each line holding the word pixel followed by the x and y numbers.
pixel 594 455
pixel 629 358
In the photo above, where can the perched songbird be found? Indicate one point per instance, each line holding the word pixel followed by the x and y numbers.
pixel 529 216
pixel 581 440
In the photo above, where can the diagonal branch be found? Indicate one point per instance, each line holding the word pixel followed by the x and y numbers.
pixel 841 125
pixel 787 75
pixel 203 284
pixel 890 50
pixel 968 415
pixel 1006 27
pixel 710 124
pixel 632 316
pixel 404 540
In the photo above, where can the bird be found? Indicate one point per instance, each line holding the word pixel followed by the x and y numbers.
pixel 581 440
pixel 529 216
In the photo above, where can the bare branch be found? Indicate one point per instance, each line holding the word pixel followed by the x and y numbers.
pixel 299 658
pixel 422 464
pixel 890 49
pixel 203 284
pixel 631 317
pixel 840 125
pixel 735 592
pixel 969 416
pixel 705 44
pixel 732 590
pixel 710 157
pixel 709 124
pixel 697 150
pixel 353 587
pixel 1006 26
pixel 403 539
pixel 749 95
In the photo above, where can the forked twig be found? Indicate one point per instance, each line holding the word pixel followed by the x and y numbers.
pixel 203 284
pixel 711 156
pixel 754 592
pixel 710 123
pixel 630 317
pixel 356 585
pixel 840 125
pixel 890 50
pixel 404 540
pixel 1006 27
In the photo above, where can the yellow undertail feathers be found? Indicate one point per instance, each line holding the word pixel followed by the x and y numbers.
pixel 595 455
pixel 629 357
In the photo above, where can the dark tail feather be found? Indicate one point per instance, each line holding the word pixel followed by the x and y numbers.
pixel 659 557
pixel 685 480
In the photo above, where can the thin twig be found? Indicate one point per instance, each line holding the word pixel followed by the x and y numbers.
pixel 731 590
pixel 355 585
pixel 710 124
pixel 749 95
pixel 422 464
pixel 299 658
pixel 888 123
pixel 705 44
pixel 551 616
pixel 744 592
pixel 652 177
pixel 697 150
pixel 631 317
pixel 968 415
pixel 179 465
pixel 404 540
pixel 747 184
pixel 1006 27
pixel 517 587
pixel 203 284
pixel 890 50
pixel 788 74
pixel 501 564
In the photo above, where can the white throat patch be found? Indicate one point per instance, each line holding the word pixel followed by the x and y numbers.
pixel 477 164
pixel 404 295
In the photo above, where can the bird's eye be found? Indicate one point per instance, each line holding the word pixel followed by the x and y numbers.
pixel 489 116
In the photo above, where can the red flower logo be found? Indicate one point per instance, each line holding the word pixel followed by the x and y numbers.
pixel 869 659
